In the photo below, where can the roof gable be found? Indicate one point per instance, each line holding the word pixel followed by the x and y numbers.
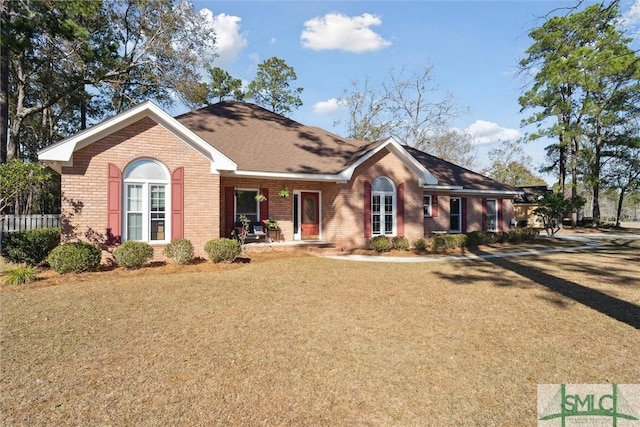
pixel 61 153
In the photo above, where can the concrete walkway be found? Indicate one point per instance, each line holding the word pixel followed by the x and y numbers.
pixel 590 240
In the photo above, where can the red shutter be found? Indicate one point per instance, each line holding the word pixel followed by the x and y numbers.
pixel 177 204
pixel 367 209
pixel 464 214
pixel 114 202
pixel 229 210
pixel 500 227
pixel 485 225
pixel 434 206
pixel 264 206
pixel 400 213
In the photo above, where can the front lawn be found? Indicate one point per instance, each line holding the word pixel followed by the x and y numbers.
pixel 300 340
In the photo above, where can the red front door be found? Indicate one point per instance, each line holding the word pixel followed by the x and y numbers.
pixel 310 224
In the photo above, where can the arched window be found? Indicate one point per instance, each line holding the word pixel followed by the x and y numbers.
pixel 146 202
pixel 383 202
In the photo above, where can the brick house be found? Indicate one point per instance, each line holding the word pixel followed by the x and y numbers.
pixel 145 175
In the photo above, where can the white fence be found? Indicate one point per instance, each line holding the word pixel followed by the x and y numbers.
pixel 15 223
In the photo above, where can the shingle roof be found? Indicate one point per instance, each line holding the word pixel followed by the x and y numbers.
pixel 259 140
pixel 450 174
pixel 262 141
pixel 531 193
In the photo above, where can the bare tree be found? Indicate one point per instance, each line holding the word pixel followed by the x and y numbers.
pixel 410 106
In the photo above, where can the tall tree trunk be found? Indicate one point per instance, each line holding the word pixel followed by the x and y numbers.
pixel 620 202
pixel 596 179
pixel 4 80
pixel 575 150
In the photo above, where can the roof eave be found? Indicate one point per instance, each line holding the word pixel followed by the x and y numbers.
pixel 337 178
pixel 424 176
pixel 61 153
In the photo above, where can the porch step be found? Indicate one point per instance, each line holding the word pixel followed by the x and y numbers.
pixel 316 247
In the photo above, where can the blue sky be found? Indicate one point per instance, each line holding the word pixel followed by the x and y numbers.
pixel 473 46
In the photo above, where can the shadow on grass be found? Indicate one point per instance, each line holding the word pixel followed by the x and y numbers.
pixel 606 304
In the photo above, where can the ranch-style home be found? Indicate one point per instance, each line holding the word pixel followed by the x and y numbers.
pixel 145 175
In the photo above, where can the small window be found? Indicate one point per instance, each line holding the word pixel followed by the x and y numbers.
pixel 247 205
pixel 492 215
pixel 426 205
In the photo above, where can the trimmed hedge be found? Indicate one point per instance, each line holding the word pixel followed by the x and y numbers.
pixel 420 244
pixel 223 250
pixel 75 257
pixel 381 244
pixel 180 250
pixel 449 241
pixel 400 243
pixel 132 254
pixel 30 247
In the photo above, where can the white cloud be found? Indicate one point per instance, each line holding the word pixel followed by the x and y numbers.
pixel 328 106
pixel 484 132
pixel 339 32
pixel 229 40
pixel 632 16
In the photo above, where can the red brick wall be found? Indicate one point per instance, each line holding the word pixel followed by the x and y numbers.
pixel 84 185
pixel 349 224
pixel 341 204
pixel 474 213
pixel 84 192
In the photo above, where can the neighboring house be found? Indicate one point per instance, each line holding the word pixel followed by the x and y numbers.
pixel 526 202
pixel 144 175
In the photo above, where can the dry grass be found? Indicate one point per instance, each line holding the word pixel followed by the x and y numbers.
pixel 298 340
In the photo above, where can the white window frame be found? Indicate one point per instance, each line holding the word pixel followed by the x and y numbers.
pixel 426 205
pixel 459 214
pixel 495 216
pixel 146 184
pixel 382 220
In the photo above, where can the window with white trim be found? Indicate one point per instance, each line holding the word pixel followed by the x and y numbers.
pixel 383 212
pixel 146 202
pixel 426 205
pixel 492 215
pixel 247 205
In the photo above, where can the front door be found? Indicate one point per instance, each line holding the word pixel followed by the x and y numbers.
pixel 310 216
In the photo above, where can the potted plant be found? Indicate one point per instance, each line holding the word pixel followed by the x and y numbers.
pixel 271 224
pixel 284 193
pixel 260 197
pixel 273 230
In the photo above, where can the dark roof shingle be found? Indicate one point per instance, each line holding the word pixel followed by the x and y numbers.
pixel 450 174
pixel 259 140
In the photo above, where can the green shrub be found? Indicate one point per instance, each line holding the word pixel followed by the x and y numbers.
pixel 419 244
pixel 400 243
pixel 525 234
pixel 179 250
pixel 222 249
pixel 476 238
pixel 30 247
pixel 132 254
pixel 75 257
pixel 381 244
pixel 449 241
pixel 20 275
